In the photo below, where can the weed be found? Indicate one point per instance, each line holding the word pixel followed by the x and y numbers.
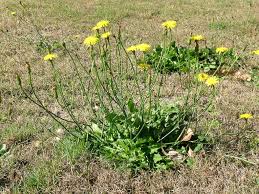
pixel 184 59
pixel 132 130
pixel 44 46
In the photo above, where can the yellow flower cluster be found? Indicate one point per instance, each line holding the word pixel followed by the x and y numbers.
pixel 50 57
pixel 202 77
pixel 139 47
pixel 143 47
pixel 208 80
pixel 94 39
pixel 221 50
pixel 212 81
pixel 132 48
pixel 197 38
pixel 246 116
pixel 106 35
pixel 170 24
pixel 91 40
pixel 101 24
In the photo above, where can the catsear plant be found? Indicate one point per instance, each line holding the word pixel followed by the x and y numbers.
pixel 126 122
pixel 184 59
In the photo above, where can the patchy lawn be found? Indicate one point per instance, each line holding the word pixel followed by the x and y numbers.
pixel 39 162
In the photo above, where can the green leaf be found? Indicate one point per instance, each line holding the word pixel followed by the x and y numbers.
pixel 190 162
pixel 212 67
pixel 198 147
pixel 154 150
pixel 131 106
pixel 157 158
pixel 96 129
pixel 162 166
pixel 206 69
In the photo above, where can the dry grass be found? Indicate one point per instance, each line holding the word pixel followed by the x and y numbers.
pixel 233 23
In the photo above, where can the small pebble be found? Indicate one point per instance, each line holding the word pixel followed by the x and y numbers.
pixel 57 139
pixel 37 144
pixel 60 131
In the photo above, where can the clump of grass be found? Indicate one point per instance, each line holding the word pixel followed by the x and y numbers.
pixel 44 174
pixel 218 26
pixel 40 178
pixel 17 133
pixel 255 76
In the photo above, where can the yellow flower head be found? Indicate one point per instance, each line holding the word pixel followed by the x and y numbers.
pixel 221 50
pixel 13 13
pixel 91 40
pixel 101 24
pixel 143 47
pixel 105 35
pixel 202 77
pixel 212 81
pixel 139 47
pixel 246 116
pixel 170 24
pixel 144 66
pixel 256 52
pixel 131 49
pixel 50 57
pixel 197 38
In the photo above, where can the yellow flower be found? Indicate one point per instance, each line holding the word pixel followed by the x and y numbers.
pixel 101 24
pixel 170 24
pixel 221 49
pixel 91 40
pixel 197 38
pixel 256 52
pixel 143 47
pixel 202 77
pixel 139 47
pixel 50 57
pixel 13 13
pixel 106 35
pixel 212 81
pixel 131 49
pixel 144 66
pixel 246 116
